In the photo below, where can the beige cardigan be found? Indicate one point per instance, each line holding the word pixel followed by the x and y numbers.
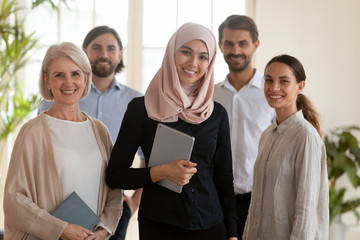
pixel 33 188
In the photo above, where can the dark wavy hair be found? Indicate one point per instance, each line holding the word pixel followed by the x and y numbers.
pixel 302 102
pixel 100 30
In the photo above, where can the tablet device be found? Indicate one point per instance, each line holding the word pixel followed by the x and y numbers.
pixel 169 145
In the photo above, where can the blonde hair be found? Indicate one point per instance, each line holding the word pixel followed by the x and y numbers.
pixel 69 50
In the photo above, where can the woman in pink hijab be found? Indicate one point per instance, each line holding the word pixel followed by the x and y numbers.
pixel 180 96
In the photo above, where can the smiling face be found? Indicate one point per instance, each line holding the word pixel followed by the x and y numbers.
pixel 192 61
pixel 66 81
pixel 281 89
pixel 238 48
pixel 104 55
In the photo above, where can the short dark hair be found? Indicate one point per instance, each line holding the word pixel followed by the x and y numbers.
pixel 100 30
pixel 239 22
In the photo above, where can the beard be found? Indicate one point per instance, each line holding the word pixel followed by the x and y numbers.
pixel 101 71
pixel 238 67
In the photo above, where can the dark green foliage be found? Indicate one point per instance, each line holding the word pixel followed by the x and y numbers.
pixel 343 157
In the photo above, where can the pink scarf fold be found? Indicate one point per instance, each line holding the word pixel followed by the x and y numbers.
pixel 165 98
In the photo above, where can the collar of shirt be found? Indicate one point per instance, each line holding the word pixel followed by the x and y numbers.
pixel 280 128
pixel 255 81
pixel 114 85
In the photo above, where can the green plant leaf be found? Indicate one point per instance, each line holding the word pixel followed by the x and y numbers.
pixel 336 198
pixel 357 215
pixel 355 150
pixel 350 139
pixel 350 205
pixel 343 157
pixel 15 45
pixel 352 174
pixel 36 3
pixel 52 4
pixel 331 149
pixel 340 161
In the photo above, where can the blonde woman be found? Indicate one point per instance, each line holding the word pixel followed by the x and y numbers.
pixel 60 151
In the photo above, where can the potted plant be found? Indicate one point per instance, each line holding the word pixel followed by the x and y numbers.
pixel 15 48
pixel 343 158
pixel 15 45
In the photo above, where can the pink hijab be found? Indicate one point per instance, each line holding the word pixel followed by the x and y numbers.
pixel 165 99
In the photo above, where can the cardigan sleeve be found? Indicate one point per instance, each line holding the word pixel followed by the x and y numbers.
pixel 112 200
pixel 30 175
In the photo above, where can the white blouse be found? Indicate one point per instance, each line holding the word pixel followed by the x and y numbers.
pixel 290 198
pixel 77 157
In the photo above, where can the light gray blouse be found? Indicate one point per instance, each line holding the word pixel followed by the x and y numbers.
pixel 290 198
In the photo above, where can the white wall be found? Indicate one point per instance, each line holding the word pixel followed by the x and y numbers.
pixel 325 36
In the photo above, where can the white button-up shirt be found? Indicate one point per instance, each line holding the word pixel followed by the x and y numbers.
pixel 249 115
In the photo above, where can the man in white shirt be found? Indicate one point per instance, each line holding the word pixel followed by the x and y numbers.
pixel 108 99
pixel 241 93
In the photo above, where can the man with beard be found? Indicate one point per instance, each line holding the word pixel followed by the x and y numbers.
pixel 108 99
pixel 241 93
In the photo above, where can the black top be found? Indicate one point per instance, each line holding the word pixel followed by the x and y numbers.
pixel 207 200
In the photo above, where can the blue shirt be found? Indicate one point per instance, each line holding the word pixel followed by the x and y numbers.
pixel 109 107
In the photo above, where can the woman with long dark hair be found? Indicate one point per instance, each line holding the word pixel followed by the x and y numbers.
pixel 290 193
